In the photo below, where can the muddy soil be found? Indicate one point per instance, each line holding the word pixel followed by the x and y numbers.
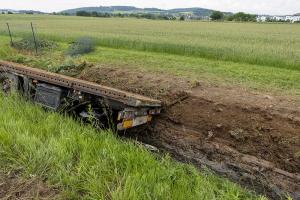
pixel 165 88
pixel 249 137
pixel 12 186
pixel 250 146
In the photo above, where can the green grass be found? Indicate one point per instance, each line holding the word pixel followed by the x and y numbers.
pixel 85 163
pixel 276 45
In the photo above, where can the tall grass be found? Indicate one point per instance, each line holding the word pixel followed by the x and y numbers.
pixel 89 164
pixel 275 45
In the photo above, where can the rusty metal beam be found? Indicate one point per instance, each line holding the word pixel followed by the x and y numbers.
pixel 124 97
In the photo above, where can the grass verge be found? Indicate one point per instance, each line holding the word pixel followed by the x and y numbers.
pixel 89 164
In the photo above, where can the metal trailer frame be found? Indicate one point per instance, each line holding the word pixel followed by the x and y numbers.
pixel 133 109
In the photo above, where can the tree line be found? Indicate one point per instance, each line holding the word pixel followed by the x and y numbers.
pixel 215 16
pixel 136 15
pixel 240 17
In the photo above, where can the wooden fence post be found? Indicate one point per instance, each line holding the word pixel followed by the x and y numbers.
pixel 33 34
pixel 9 32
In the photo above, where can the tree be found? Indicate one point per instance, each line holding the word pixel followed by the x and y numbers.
pixel 240 16
pixel 94 14
pixel 230 18
pixel 217 15
pixel 83 13
pixel 182 18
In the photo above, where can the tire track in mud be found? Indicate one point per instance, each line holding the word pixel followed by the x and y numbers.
pixel 233 141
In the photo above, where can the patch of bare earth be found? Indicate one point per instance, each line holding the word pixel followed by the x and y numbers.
pixel 249 137
pixel 158 86
pixel 12 187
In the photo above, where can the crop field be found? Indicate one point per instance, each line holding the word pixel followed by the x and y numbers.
pixel 263 44
pixel 238 112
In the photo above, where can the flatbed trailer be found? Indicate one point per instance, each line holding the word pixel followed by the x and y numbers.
pixel 58 92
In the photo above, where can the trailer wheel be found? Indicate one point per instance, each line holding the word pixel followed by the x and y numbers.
pixel 9 82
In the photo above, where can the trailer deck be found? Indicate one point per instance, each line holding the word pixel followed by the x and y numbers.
pixel 87 99
pixel 126 98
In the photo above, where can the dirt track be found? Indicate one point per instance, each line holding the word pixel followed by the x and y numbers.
pixel 249 137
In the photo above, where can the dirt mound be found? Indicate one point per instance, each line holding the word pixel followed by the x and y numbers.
pixel 249 130
pixel 250 137
pixel 249 144
pixel 157 86
pixel 13 186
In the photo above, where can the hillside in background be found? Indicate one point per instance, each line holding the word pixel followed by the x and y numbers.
pixel 22 11
pixel 130 9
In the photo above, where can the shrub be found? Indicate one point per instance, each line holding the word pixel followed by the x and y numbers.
pixel 82 46
pixel 29 45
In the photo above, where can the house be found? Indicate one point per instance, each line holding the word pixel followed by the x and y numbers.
pixel 292 18
pixel 296 18
pixel 261 18
pixel 279 18
pixel 285 18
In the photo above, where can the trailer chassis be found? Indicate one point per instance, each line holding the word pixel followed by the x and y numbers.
pixel 86 99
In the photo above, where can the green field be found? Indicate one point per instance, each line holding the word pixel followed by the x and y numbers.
pixel 264 44
pixel 260 56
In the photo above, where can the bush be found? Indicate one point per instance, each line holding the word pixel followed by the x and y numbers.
pixel 82 46
pixel 29 45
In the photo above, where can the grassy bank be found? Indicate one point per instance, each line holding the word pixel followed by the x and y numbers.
pixel 274 45
pixel 85 163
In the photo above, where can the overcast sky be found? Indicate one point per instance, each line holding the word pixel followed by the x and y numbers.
pixel 251 6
